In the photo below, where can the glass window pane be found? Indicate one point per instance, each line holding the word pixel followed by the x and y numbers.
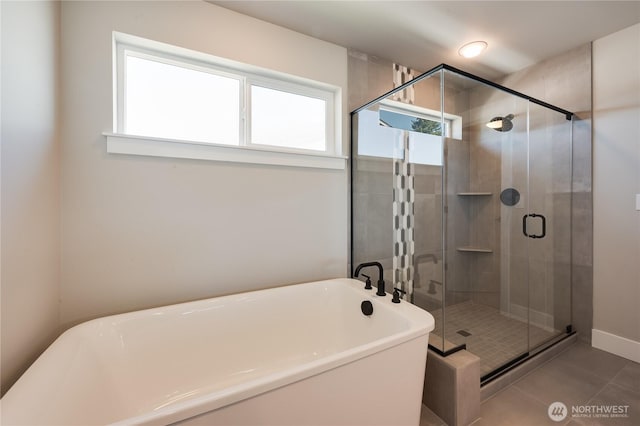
pixel 174 102
pixel 425 149
pixel 410 122
pixel 425 143
pixel 375 140
pixel 288 120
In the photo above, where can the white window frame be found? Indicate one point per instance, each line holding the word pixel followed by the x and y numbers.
pixel 118 142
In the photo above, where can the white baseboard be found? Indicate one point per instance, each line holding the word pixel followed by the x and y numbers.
pixel 621 346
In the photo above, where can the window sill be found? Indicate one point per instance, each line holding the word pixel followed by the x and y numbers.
pixel 170 148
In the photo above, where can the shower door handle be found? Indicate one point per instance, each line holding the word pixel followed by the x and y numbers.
pixel 544 226
pixel 524 225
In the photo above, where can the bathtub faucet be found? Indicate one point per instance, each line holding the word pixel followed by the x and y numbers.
pixel 380 291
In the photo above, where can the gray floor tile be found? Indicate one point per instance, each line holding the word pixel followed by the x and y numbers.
pixel 629 377
pixel 562 382
pixel 625 401
pixel 513 407
pixel 580 376
pixel 595 361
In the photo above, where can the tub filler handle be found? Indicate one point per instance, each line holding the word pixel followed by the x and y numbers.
pixel 367 283
pixel 396 294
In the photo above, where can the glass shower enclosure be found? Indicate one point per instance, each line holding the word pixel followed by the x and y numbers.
pixel 461 189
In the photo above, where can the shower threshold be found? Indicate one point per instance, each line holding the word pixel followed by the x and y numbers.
pixel 498 340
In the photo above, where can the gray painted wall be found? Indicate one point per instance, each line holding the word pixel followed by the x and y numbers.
pixel 616 140
pixel 30 224
pixel 141 231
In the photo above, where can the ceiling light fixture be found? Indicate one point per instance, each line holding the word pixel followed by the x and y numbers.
pixel 473 49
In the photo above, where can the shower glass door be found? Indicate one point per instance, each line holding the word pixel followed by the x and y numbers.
pixel 547 225
pixel 507 209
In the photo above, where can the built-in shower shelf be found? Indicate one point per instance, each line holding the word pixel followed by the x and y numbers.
pixel 474 194
pixel 474 249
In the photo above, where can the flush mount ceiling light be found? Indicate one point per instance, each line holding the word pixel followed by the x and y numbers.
pixel 473 49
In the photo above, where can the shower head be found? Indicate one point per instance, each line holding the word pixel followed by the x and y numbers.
pixel 501 124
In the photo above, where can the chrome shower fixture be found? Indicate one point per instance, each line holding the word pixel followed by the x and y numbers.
pixel 501 124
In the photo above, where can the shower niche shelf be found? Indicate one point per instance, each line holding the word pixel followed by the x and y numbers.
pixel 474 194
pixel 474 249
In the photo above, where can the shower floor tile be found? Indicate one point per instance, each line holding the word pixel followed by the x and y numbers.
pixel 495 338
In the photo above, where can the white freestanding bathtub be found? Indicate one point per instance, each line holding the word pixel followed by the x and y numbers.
pixel 297 355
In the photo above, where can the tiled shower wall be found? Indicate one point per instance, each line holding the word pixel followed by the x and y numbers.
pixel 564 81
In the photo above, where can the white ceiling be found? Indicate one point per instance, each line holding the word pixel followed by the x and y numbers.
pixel 423 34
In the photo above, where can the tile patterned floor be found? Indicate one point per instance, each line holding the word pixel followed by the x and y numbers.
pixel 495 338
pixel 579 377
